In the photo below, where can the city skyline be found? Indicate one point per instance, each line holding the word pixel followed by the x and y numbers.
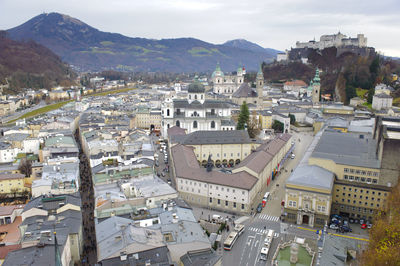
pixel 269 24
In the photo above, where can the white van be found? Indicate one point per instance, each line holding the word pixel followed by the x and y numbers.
pixel 266 196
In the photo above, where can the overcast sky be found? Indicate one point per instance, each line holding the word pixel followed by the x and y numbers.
pixel 275 24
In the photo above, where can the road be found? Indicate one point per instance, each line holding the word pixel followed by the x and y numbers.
pixel 16 115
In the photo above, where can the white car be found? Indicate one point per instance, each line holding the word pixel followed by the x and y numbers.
pixel 334 226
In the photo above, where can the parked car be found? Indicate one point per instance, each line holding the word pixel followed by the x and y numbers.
pixel 336 216
pixel 364 226
pixel 356 221
pixel 163 174
pixel 362 221
pixel 334 226
pixel 169 181
pixel 369 226
pixel 345 223
pixel 259 208
pixel 335 221
pixel 346 229
pixel 351 220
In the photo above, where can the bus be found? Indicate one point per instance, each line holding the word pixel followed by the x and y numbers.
pixel 233 236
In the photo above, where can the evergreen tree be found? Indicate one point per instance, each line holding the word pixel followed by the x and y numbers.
pixel 244 116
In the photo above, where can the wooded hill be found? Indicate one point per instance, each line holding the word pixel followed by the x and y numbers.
pixel 30 65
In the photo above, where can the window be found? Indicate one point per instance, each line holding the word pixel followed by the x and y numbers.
pixel 344 194
pixel 346 177
pixel 346 170
pixel 210 200
pixel 226 203
pixel 351 170
pixel 344 188
pixel 357 178
pixel 242 206
pixel 194 124
pixel 366 197
pixel 219 201
pixel 369 173
pixel 379 193
pixel 233 190
pixel 374 181
pixel 369 180
pixel 212 124
pixel 242 192
pixel 224 154
pixel 227 190
pixel 349 188
pixel 358 172
pixel 367 191
pixel 234 205
pixel 363 172
pixel 362 179
pixel 351 177
pixel 178 124
pixel 360 197
pixel 355 190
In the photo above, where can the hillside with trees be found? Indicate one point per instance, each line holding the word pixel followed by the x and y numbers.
pixel 30 65
pixel 384 245
pixel 340 75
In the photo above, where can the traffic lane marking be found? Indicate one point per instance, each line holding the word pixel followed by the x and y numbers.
pixel 352 237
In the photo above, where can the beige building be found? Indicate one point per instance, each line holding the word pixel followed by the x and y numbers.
pixel 233 190
pixel 224 147
pixel 148 118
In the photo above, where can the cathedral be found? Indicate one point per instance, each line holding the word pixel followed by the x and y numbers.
pixel 227 84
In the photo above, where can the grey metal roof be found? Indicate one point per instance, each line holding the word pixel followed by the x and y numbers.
pixel 355 149
pixel 335 250
pixel 311 176
pixel 244 91
pixel 179 103
pixel 217 137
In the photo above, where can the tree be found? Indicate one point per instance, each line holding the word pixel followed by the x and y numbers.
pixel 384 236
pixel 277 126
pixel 292 119
pixel 244 116
pixel 371 93
pixel 253 126
pixel 25 167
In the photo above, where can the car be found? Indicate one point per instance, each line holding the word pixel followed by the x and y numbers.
pixel 356 221
pixel 336 216
pixel 362 221
pixel 335 221
pixel 163 174
pixel 364 226
pixel 351 220
pixel 346 229
pixel 169 181
pixel 293 156
pixel 334 226
pixel 259 208
pixel 369 226
pixel 345 223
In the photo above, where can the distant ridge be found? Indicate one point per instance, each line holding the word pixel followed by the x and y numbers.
pixel 87 48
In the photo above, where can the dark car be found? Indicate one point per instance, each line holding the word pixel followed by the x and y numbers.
pixel 346 229
pixel 259 208
pixel 351 220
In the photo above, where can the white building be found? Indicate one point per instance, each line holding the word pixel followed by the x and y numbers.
pixel 382 101
pixel 196 112
pixel 227 84
pixel 334 40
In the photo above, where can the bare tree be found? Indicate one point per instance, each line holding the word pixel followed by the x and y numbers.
pixel 25 167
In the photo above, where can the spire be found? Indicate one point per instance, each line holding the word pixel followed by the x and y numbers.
pixel 218 68
pixel 57 255
pixel 316 79
pixel 260 73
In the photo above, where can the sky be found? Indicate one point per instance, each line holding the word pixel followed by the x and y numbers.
pixel 274 24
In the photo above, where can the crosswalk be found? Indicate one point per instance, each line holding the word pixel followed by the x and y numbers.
pixel 268 217
pixel 261 231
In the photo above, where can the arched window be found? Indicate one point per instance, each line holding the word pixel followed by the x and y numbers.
pixel 178 124
pixel 212 124
pixel 195 124
pixel 168 126
pixel 202 96
pixel 195 96
pixel 190 96
pixel 213 111
pixel 167 112
pixel 194 113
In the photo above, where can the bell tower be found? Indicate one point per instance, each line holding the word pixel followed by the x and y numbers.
pixel 260 86
pixel 316 87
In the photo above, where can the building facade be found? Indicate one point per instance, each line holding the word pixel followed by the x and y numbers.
pixel 227 84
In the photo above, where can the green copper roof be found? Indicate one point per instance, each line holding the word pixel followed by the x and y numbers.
pixel 218 71
pixel 196 87
pixel 260 72
pixel 316 79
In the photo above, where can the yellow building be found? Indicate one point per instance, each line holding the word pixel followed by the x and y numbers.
pixel 225 147
pixel 358 191
pixel 13 183
pixel 309 196
pixel 265 119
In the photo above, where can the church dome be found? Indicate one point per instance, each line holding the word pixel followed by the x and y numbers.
pixel 217 72
pixel 196 87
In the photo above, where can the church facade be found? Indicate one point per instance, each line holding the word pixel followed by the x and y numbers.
pixel 227 84
pixel 196 112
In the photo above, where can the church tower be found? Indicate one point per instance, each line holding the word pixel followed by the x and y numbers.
pixel 260 86
pixel 316 87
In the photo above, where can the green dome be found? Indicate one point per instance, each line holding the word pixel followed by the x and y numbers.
pixel 196 87
pixel 316 78
pixel 217 72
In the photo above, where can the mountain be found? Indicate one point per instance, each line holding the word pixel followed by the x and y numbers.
pixel 246 45
pixel 30 65
pixel 87 48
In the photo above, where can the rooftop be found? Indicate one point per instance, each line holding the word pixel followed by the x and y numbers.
pixel 357 149
pixel 217 137
pixel 312 176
